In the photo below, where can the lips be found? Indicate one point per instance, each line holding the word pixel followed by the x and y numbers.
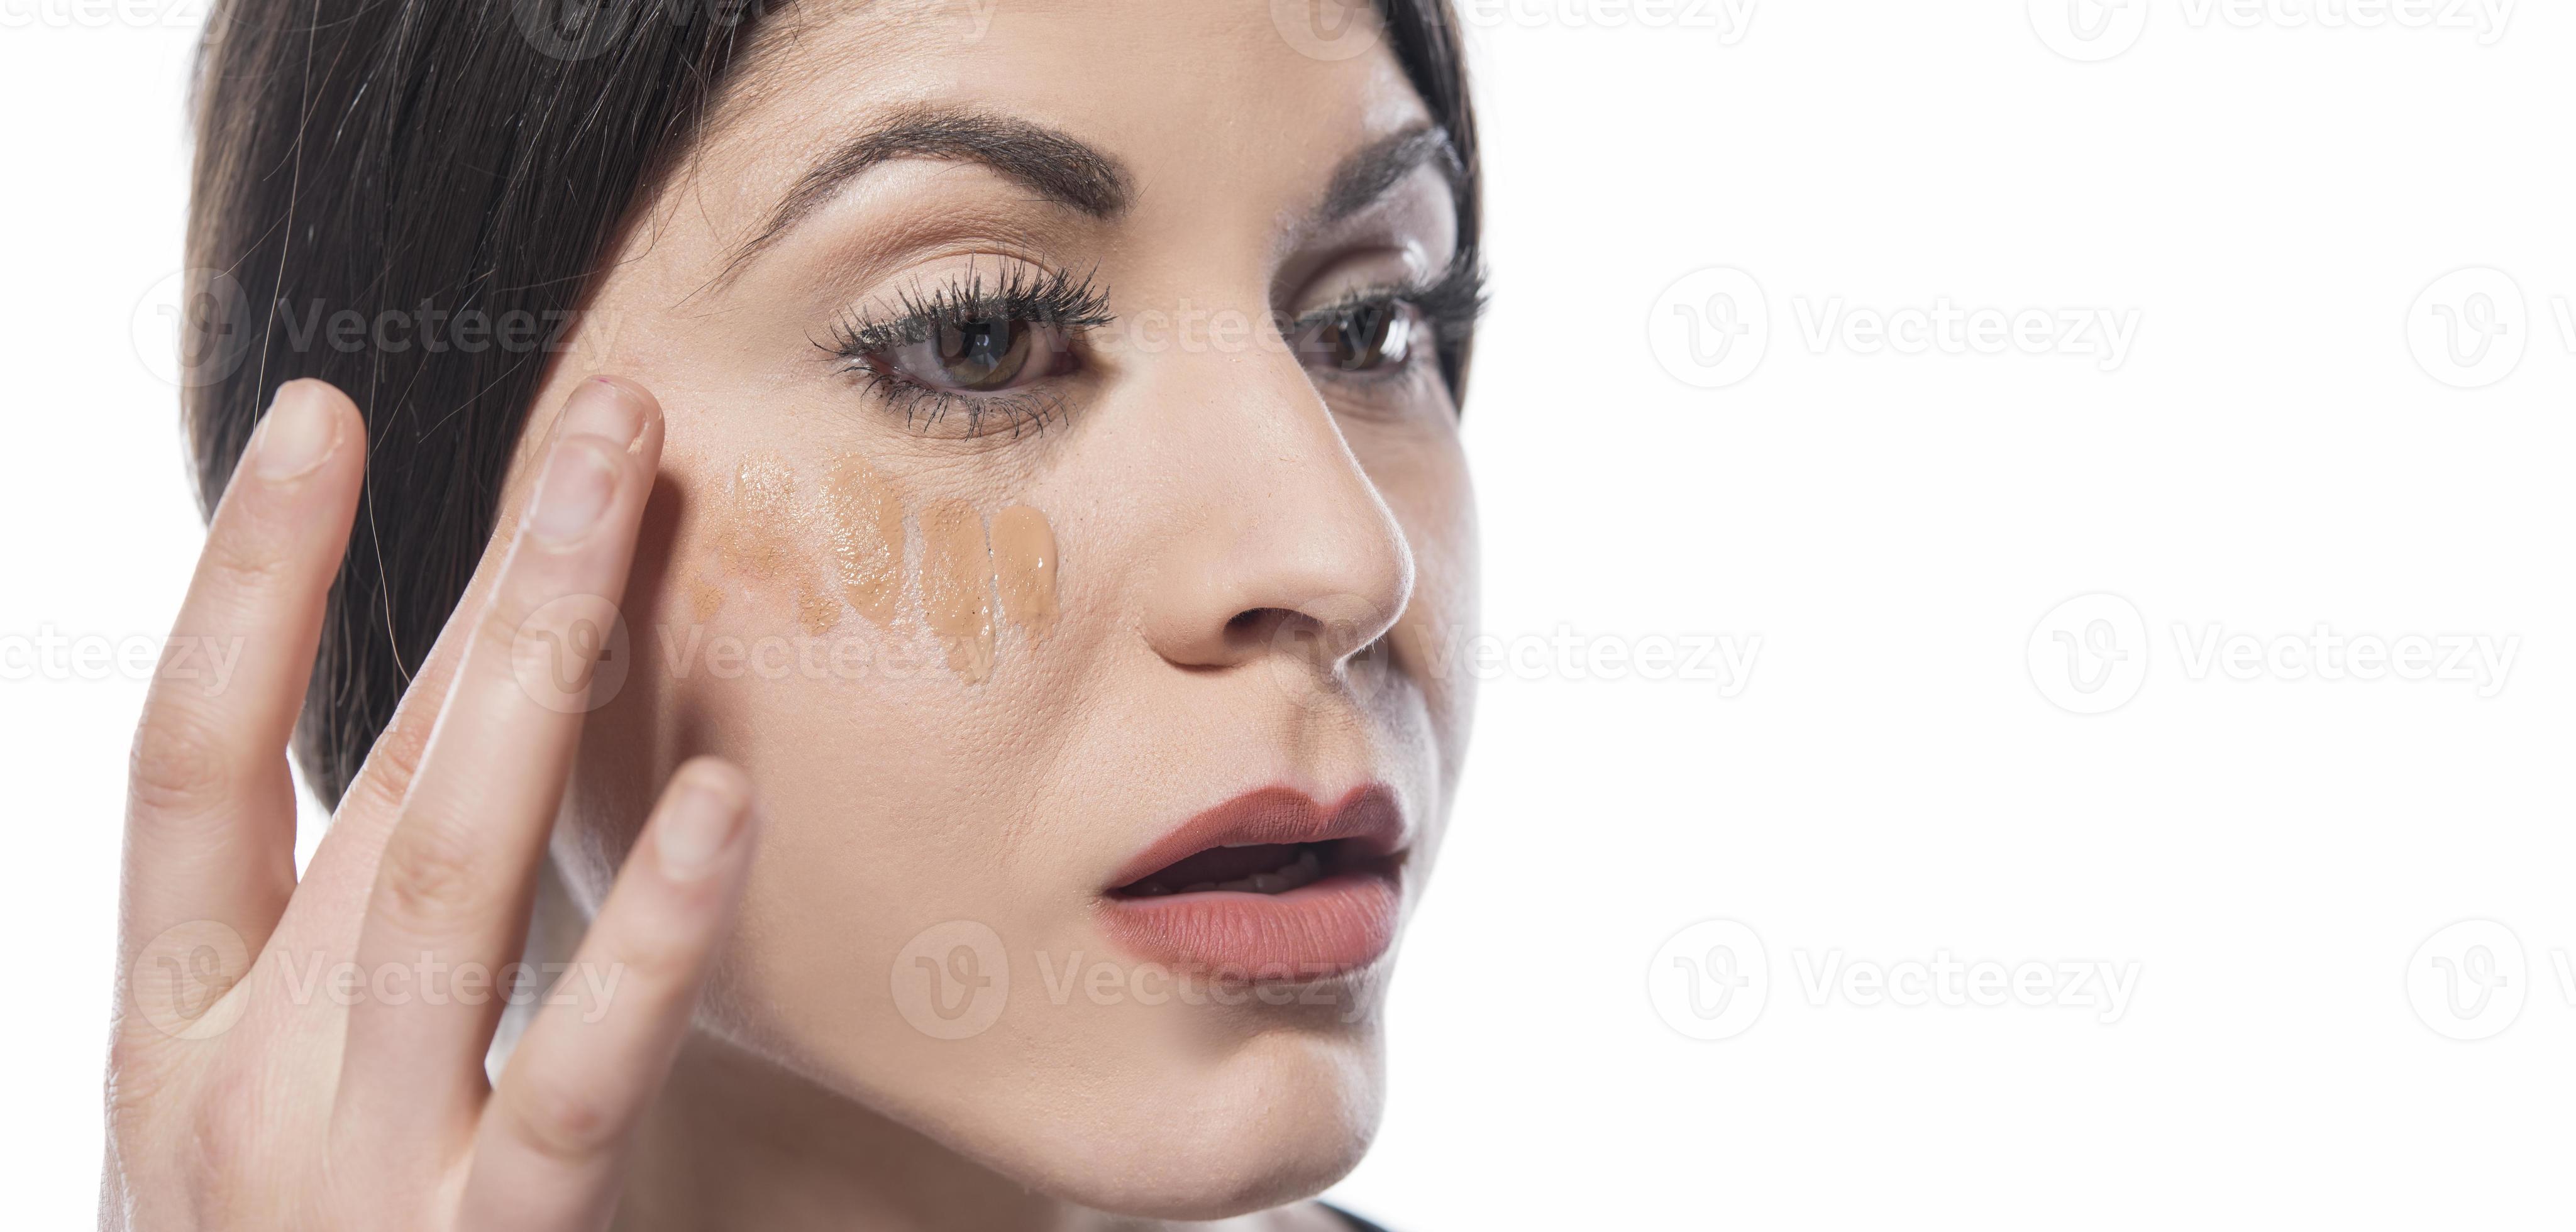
pixel 1267 887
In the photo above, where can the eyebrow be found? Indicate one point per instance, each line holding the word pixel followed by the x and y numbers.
pixel 1372 172
pixel 1067 170
pixel 1063 169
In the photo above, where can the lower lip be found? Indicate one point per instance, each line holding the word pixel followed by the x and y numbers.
pixel 1321 931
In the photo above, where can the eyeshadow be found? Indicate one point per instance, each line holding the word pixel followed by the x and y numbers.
pixel 1024 565
pixel 957 586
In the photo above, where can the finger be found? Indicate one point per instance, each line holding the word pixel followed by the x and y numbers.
pixel 210 810
pixel 330 902
pixel 547 1152
pixel 453 885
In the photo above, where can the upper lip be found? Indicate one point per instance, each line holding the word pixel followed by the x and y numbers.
pixel 1368 814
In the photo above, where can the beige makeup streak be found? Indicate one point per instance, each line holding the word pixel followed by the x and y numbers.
pixel 1024 563
pixel 763 543
pixel 863 521
pixel 957 586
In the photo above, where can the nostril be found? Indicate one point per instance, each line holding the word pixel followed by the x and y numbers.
pixel 1255 628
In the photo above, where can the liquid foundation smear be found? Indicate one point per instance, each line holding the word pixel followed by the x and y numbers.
pixel 1024 563
pixel 957 586
pixel 863 521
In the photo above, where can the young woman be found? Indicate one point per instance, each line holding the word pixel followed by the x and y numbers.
pixel 871 583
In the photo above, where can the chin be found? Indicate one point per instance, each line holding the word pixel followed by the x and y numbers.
pixel 1278 1122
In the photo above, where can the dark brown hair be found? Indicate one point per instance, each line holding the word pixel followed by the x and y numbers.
pixel 457 169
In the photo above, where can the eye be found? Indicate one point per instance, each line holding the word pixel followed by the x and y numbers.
pixel 974 356
pixel 1371 336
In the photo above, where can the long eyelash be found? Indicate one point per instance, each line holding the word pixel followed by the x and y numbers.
pixel 1058 299
pixel 1449 301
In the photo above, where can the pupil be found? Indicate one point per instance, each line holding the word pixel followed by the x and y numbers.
pixel 1359 338
pixel 975 353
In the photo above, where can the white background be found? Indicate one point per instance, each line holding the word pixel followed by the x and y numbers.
pixel 1892 783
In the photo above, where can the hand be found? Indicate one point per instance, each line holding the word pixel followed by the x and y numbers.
pixel 249 1086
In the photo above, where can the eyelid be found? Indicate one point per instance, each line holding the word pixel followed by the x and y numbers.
pixel 1027 293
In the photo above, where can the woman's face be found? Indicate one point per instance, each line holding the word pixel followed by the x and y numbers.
pixel 1060 487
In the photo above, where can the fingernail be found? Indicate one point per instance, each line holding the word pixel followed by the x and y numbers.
pixel 602 408
pixel 298 432
pixel 578 481
pixel 702 823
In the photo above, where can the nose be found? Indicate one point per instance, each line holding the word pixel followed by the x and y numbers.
pixel 1281 542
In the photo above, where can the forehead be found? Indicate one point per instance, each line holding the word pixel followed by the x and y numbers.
pixel 1200 100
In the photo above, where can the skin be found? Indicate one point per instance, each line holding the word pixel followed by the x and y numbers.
pixel 1261 565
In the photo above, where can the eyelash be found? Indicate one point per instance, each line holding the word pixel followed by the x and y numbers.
pixel 1058 300
pixel 1446 304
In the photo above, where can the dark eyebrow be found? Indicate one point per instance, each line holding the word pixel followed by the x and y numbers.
pixel 1377 168
pixel 1062 168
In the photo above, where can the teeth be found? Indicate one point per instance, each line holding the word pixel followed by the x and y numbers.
pixel 1200 887
pixel 1269 883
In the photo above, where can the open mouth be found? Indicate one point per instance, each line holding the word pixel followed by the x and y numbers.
pixel 1249 868
pixel 1269 886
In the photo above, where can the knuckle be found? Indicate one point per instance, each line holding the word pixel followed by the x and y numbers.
pixel 246 555
pixel 395 760
pixel 558 1122
pixel 433 875
pixel 180 764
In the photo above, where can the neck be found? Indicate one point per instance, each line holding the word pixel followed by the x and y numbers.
pixel 736 1141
